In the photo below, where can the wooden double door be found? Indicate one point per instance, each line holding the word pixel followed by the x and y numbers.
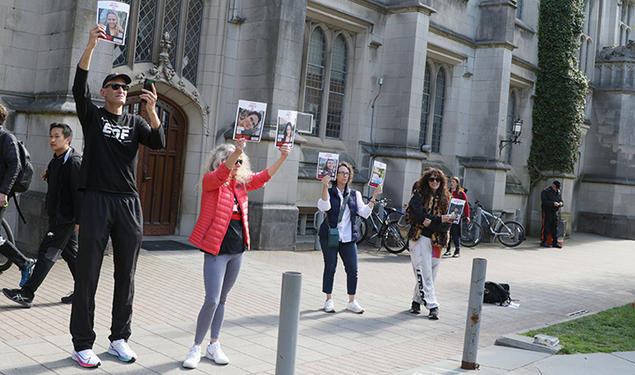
pixel 160 172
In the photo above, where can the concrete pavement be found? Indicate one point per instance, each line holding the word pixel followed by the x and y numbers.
pixel 590 274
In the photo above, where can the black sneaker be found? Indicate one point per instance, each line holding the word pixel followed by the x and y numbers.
pixel 16 296
pixel 415 308
pixel 457 254
pixel 557 245
pixel 434 313
pixel 67 299
pixel 447 254
pixel 542 244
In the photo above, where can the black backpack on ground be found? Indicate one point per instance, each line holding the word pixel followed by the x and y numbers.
pixel 496 293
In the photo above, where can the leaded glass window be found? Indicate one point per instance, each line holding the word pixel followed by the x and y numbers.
pixel 120 53
pixel 625 24
pixel 192 39
pixel 315 77
pixel 150 19
pixel 519 9
pixel 337 86
pixel 511 116
pixel 425 107
pixel 171 20
pixel 146 30
pixel 439 102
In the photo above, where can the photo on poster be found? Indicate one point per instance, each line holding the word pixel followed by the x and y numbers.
pixel 378 175
pixel 250 120
pixel 113 15
pixel 327 165
pixel 285 131
pixel 455 210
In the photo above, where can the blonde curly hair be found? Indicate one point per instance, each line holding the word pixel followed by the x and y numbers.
pixel 218 155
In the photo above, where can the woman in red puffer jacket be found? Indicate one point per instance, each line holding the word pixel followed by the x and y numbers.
pixel 222 233
pixel 455 230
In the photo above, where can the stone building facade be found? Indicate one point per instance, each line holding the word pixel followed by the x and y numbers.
pixel 380 77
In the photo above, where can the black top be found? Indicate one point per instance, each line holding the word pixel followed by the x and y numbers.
pixel 110 143
pixel 549 198
pixel 62 197
pixel 233 242
pixel 9 161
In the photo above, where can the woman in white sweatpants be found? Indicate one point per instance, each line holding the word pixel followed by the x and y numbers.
pixel 428 235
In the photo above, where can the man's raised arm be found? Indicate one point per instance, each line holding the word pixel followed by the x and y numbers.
pixel 95 33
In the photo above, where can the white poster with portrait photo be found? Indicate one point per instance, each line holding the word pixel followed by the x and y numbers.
pixel 455 210
pixel 114 16
pixel 378 175
pixel 250 120
pixel 285 131
pixel 327 165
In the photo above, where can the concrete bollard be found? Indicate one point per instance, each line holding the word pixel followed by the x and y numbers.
pixel 473 321
pixel 288 323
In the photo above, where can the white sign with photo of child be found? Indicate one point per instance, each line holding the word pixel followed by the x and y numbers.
pixel 285 132
pixel 250 119
pixel 456 209
pixel 327 165
pixel 379 172
pixel 114 16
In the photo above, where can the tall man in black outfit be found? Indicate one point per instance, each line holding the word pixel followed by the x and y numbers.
pixel 10 168
pixel 63 207
pixel 551 203
pixel 111 205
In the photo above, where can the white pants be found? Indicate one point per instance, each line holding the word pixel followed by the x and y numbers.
pixel 425 268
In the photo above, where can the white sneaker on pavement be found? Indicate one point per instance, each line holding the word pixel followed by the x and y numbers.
pixel 86 358
pixel 193 357
pixel 216 354
pixel 121 349
pixel 355 307
pixel 329 306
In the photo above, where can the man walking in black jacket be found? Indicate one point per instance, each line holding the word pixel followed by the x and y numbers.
pixel 62 206
pixel 551 203
pixel 110 204
pixel 9 170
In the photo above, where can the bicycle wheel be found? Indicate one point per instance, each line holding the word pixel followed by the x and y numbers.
pixel 392 239
pixel 470 233
pixel 512 233
pixel 362 228
pixel 7 234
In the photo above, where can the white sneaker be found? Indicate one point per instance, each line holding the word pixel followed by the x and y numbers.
pixel 121 349
pixel 329 306
pixel 193 357
pixel 86 358
pixel 355 307
pixel 216 354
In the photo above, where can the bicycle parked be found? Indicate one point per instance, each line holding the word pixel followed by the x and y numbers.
pixel 509 233
pixel 382 223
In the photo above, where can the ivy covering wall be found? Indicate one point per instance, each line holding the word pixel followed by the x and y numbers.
pixel 561 89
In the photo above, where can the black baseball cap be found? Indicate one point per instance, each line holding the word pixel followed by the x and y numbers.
pixel 112 76
pixel 557 183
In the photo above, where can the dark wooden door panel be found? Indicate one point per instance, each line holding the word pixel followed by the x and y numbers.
pixel 160 172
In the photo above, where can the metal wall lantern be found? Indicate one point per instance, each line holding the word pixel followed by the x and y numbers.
pixel 516 131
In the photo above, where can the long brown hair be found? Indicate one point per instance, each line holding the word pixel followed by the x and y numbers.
pixel 423 188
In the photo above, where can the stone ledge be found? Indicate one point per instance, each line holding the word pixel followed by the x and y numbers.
pixel 526 343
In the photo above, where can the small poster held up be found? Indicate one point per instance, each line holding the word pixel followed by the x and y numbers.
pixel 114 16
pixel 250 119
pixel 455 210
pixel 285 132
pixel 327 165
pixel 379 172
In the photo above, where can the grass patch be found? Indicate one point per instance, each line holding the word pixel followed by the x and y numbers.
pixel 608 331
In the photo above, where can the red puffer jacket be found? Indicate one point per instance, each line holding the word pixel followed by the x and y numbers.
pixel 217 204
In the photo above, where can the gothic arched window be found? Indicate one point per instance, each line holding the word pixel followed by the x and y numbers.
pixel 149 20
pixel 439 103
pixel 337 86
pixel 315 77
pixel 425 107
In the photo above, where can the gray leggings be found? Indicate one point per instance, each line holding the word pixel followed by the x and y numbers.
pixel 220 273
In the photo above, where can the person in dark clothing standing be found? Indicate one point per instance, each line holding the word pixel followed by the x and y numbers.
pixel 9 170
pixel 455 230
pixel 551 203
pixel 62 206
pixel 110 204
